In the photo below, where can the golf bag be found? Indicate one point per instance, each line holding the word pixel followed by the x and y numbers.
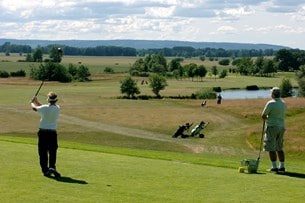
pixel 181 129
pixel 197 129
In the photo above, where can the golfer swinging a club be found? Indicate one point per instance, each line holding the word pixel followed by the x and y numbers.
pixel 274 116
pixel 47 135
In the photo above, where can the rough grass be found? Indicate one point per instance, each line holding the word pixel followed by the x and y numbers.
pixel 234 121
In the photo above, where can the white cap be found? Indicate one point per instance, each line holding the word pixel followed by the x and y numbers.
pixel 276 91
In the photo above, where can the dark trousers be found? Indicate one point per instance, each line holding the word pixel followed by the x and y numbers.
pixel 47 149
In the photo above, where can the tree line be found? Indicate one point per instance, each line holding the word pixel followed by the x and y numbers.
pixel 284 60
pixel 178 51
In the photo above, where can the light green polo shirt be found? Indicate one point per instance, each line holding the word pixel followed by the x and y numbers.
pixel 275 110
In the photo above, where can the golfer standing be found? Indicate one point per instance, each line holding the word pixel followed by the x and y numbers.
pixel 274 116
pixel 47 135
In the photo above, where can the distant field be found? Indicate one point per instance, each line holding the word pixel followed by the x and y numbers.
pixel 96 64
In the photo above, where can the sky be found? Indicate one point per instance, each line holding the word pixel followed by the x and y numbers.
pixel 277 22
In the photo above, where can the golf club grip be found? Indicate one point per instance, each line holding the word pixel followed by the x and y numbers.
pixel 39 88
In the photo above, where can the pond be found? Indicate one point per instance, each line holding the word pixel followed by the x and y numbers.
pixel 246 94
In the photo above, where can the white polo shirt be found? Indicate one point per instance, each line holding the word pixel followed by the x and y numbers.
pixel 49 116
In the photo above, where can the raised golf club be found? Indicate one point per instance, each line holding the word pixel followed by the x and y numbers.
pixel 37 92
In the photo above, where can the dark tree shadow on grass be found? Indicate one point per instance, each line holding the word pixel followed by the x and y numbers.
pixel 65 179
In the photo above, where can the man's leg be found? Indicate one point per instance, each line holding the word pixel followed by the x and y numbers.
pixel 281 156
pixel 52 149
pixel 270 146
pixel 273 159
pixel 53 154
pixel 280 152
pixel 43 153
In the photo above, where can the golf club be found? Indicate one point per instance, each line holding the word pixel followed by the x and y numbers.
pixel 251 165
pixel 42 82
pixel 260 146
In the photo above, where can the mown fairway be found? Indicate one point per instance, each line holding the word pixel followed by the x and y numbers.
pixel 90 176
pixel 115 150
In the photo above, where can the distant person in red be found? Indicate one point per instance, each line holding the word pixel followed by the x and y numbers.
pixel 47 134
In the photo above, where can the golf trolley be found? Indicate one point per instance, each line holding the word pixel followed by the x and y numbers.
pixel 251 165
pixel 197 129
pixel 194 132
pixel 181 129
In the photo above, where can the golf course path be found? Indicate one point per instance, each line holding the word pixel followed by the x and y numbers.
pixel 194 145
pixel 113 128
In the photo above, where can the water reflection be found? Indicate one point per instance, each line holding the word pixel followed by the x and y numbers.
pixel 246 94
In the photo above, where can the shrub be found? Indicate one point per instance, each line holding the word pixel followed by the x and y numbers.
pixel 108 70
pixel 83 73
pixel 217 89
pixel 224 62
pixel 52 72
pixel 144 97
pixel 252 87
pixel 286 88
pixel 223 73
pixel 72 70
pixel 19 73
pixel 206 94
pixel 4 74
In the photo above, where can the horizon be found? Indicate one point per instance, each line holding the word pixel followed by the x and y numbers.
pixel 187 43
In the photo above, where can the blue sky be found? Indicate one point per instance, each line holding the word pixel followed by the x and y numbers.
pixel 279 22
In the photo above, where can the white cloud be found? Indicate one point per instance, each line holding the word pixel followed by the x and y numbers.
pixel 160 12
pixel 238 12
pixel 259 21
pixel 226 30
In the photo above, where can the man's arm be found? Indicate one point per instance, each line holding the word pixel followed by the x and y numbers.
pixel 264 116
pixel 35 103
pixel 266 111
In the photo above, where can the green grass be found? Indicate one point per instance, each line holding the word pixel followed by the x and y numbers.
pixel 90 176
pixel 117 150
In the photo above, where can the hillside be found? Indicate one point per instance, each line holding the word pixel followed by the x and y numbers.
pixel 144 44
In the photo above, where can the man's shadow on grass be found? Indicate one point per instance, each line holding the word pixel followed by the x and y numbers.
pixel 293 174
pixel 65 179
pixel 289 174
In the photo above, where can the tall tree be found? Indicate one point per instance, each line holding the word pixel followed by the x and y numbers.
pixel 157 83
pixel 268 67
pixel 191 70
pixel 286 88
pixel 129 87
pixel 201 71
pixel 286 59
pixel 56 54
pixel 245 66
pixel 300 76
pixel 37 55
pixel 214 71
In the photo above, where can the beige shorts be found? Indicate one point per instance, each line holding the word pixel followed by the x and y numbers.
pixel 274 139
